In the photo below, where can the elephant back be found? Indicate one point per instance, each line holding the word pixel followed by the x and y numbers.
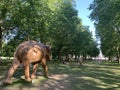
pixel 24 47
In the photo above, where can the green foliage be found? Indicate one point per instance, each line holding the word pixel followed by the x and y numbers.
pixel 54 22
pixel 106 15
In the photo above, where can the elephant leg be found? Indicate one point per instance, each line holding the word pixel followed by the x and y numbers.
pixel 44 65
pixel 27 71
pixel 11 71
pixel 33 75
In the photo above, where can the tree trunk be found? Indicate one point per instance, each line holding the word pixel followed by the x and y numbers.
pixel 1 22
pixel 118 55
pixel 118 58
pixel 0 37
pixel 67 58
pixel 109 58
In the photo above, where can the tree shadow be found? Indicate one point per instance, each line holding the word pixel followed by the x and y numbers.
pixel 90 76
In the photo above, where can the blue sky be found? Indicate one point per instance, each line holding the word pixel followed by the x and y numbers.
pixel 83 12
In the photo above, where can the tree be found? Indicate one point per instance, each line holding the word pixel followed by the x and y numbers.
pixel 106 15
pixel 55 22
pixel 64 27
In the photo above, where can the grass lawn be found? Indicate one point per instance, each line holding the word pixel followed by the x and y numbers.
pixel 90 76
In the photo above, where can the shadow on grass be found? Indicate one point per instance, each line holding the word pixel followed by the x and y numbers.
pixel 97 77
pixel 90 76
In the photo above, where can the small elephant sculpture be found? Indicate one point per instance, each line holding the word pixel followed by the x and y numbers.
pixel 26 53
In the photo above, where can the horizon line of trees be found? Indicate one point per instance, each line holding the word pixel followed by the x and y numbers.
pixel 54 22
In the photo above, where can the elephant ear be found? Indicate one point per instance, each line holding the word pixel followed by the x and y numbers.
pixel 48 47
pixel 48 52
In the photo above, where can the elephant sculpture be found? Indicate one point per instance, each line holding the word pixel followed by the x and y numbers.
pixel 26 53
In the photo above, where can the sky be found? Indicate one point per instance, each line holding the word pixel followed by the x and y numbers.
pixel 83 13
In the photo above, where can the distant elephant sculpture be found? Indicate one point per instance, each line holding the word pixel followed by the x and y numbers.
pixel 26 53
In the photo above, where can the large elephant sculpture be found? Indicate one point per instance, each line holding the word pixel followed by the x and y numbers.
pixel 26 53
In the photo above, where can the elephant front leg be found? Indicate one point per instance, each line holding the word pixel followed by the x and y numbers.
pixel 33 75
pixel 12 69
pixel 44 65
pixel 27 72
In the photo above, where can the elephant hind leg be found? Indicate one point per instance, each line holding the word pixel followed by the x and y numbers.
pixel 33 75
pixel 44 65
pixel 11 71
pixel 27 71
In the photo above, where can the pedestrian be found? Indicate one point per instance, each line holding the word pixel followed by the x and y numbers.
pixel 80 60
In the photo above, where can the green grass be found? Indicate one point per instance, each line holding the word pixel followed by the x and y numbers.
pixel 90 76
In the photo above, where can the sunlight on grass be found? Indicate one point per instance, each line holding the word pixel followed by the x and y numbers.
pixel 22 83
pixel 59 77
pixel 70 76
pixel 101 84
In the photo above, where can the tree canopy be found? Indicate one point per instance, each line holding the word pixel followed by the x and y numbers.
pixel 106 15
pixel 54 22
